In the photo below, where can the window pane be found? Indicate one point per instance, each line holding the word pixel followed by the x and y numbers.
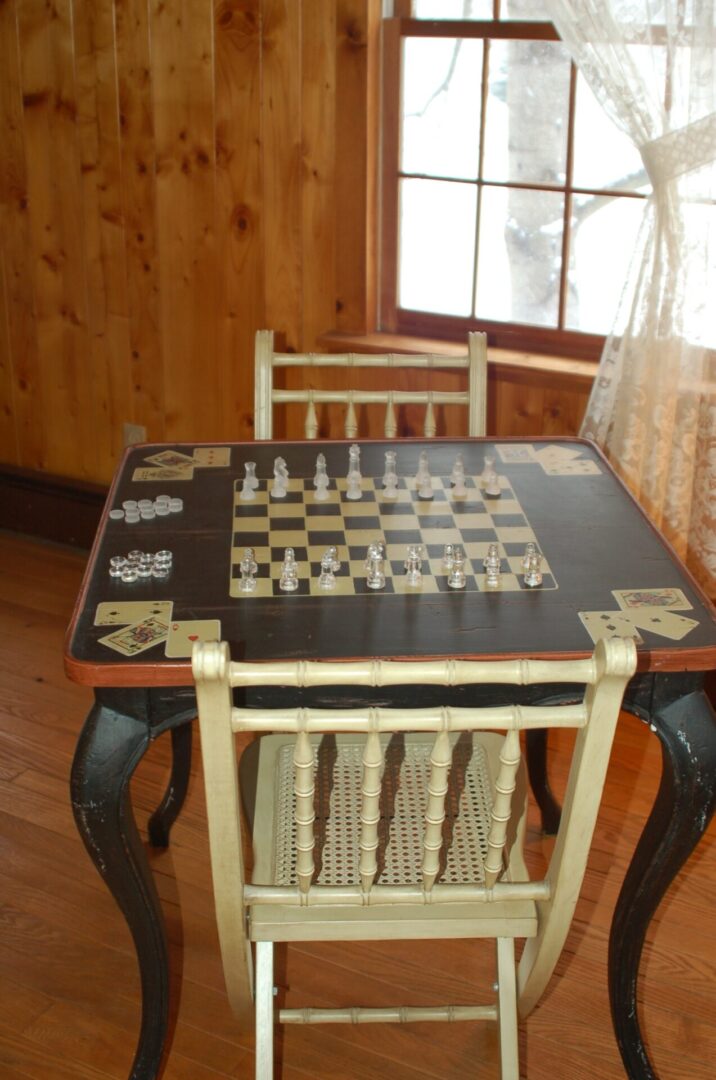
pixel 604 157
pixel 520 256
pixel 527 109
pixel 528 10
pixel 436 246
pixel 441 106
pixel 452 9
pixel 604 233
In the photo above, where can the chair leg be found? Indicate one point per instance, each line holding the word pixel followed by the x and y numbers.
pixel 507 1009
pixel 264 1010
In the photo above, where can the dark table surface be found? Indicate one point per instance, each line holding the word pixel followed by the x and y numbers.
pixel 594 536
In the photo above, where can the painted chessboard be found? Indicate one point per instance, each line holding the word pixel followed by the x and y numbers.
pixel 309 526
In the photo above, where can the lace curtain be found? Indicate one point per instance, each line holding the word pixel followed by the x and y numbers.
pixel 653 407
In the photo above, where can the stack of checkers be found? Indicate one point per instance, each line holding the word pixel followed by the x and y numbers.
pixel 140 565
pixel 146 509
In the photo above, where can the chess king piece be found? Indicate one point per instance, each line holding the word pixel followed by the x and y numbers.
pixel 248 568
pixel 414 564
pixel 320 480
pixel 280 479
pixel 390 476
pixel 288 581
pixel 493 567
pixel 375 565
pixel 457 579
pixel 533 573
pixel 354 475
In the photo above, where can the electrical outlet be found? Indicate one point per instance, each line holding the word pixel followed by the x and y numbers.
pixel 133 433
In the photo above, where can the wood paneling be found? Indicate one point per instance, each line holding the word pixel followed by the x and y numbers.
pixel 173 177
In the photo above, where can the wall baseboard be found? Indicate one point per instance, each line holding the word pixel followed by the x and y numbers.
pixel 50 507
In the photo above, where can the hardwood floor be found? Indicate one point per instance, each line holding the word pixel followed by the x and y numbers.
pixel 69 993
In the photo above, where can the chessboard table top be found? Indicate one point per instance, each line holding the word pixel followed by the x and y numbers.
pixel 596 540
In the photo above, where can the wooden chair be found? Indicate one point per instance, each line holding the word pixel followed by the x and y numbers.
pixel 266 395
pixel 373 865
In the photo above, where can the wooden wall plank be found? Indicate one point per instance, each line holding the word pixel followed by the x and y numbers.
pixel 282 171
pixel 137 163
pixel 239 210
pixel 183 93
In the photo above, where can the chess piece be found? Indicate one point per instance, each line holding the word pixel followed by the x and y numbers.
pixel 280 479
pixel 248 568
pixel 354 475
pixel 414 564
pixel 375 565
pixel 247 491
pixel 492 485
pixel 488 467
pixel 457 579
pixel 390 476
pixel 327 578
pixel 493 567
pixel 250 469
pixel 331 553
pixel 448 557
pixel 529 551
pixel 457 478
pixel 288 581
pixel 533 574
pixel 320 480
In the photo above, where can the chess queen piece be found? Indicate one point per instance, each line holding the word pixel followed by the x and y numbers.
pixel 414 565
pixel 248 567
pixel 280 479
pixel 288 582
pixel 456 578
pixel 390 476
pixel 375 565
pixel 533 573
pixel 493 567
pixel 354 475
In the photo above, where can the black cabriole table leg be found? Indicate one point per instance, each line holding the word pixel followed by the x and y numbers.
pixel 685 802
pixel 169 809
pixel 539 782
pixel 115 737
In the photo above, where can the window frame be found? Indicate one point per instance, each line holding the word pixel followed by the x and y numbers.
pixel 556 341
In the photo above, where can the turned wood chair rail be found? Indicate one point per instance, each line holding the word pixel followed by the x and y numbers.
pixel 474 397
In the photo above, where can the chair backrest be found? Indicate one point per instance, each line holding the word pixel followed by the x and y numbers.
pixel 266 395
pixel 603 677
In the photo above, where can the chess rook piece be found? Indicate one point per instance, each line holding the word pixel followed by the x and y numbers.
pixel 250 469
pixel 288 581
pixel 457 579
pixel 248 492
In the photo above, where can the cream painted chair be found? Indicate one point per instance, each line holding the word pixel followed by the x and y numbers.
pixel 266 395
pixel 377 865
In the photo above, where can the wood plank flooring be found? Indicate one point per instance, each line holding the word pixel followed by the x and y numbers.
pixel 69 992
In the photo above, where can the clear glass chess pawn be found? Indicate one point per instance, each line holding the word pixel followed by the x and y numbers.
pixel 248 567
pixel 456 578
pixel 327 578
pixel 492 484
pixel 493 567
pixel 530 549
pixel 280 479
pixel 250 469
pixel 288 582
pixel 390 476
pixel 533 573
pixel 320 480
pixel 375 565
pixel 448 557
pixel 354 474
pixel 414 564
pixel 332 554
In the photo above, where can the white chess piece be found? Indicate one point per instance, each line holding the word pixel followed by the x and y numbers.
pixel 288 581
pixel 321 480
pixel 280 481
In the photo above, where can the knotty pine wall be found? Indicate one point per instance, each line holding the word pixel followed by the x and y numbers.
pixel 175 174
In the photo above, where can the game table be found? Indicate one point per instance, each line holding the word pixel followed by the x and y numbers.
pixel 606 570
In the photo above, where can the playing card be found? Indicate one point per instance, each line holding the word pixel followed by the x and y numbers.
pixel 124 612
pixel 184 633
pixel 170 458
pixel 515 453
pixel 609 624
pixel 136 638
pixel 672 599
pixel 572 468
pixel 667 624
pixel 553 454
pixel 185 472
pixel 212 457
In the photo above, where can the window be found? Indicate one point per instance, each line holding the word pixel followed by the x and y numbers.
pixel 510 202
